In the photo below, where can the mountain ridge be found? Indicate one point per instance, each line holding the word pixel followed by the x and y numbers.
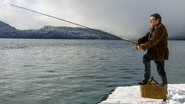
pixel 54 32
pixel 179 36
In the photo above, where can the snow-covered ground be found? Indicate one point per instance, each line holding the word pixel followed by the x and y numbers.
pixel 131 95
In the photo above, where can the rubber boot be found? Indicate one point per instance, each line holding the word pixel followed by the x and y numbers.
pixel 162 74
pixel 164 79
pixel 164 82
pixel 147 73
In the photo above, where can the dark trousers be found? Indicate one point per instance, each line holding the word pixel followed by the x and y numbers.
pixel 159 64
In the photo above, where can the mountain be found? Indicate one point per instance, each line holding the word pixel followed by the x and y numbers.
pixel 179 36
pixel 54 32
pixel 4 25
pixel 6 30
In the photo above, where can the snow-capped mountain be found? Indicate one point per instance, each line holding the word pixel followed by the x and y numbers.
pixel 54 32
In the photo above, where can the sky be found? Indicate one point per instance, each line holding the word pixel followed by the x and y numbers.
pixel 124 18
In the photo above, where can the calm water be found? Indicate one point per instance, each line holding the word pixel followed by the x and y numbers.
pixel 74 71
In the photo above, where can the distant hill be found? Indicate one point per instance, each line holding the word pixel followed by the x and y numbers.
pixel 54 32
pixel 180 36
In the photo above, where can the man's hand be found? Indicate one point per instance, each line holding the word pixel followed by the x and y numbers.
pixel 135 44
pixel 138 47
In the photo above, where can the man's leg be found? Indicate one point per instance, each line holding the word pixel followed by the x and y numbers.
pixel 161 71
pixel 147 72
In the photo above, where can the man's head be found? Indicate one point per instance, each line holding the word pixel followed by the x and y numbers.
pixel 155 19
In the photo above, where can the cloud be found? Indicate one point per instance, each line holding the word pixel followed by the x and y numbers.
pixel 125 18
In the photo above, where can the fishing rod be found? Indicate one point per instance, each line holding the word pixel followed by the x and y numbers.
pixel 129 41
pixel 50 16
pixel 59 19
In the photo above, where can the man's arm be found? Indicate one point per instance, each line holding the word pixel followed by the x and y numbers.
pixel 143 39
pixel 158 34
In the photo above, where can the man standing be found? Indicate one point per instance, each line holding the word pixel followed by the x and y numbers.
pixel 156 43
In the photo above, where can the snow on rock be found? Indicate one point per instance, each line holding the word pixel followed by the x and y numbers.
pixel 131 95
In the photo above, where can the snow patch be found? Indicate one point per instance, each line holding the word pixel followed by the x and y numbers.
pixel 131 95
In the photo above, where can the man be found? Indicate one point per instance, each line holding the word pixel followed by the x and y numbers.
pixel 156 44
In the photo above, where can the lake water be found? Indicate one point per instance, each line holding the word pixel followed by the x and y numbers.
pixel 74 71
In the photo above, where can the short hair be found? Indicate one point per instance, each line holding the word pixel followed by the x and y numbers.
pixel 157 16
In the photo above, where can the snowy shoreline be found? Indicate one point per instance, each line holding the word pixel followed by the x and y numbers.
pixel 131 95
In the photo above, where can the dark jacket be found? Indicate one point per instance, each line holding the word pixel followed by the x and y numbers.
pixel 156 41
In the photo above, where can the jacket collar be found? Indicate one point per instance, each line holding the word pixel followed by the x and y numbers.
pixel 160 24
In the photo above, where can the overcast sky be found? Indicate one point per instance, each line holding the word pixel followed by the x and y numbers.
pixel 125 18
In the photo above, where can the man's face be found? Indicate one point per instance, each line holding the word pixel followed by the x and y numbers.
pixel 154 21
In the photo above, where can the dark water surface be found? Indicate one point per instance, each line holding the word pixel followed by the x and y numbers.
pixel 74 71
